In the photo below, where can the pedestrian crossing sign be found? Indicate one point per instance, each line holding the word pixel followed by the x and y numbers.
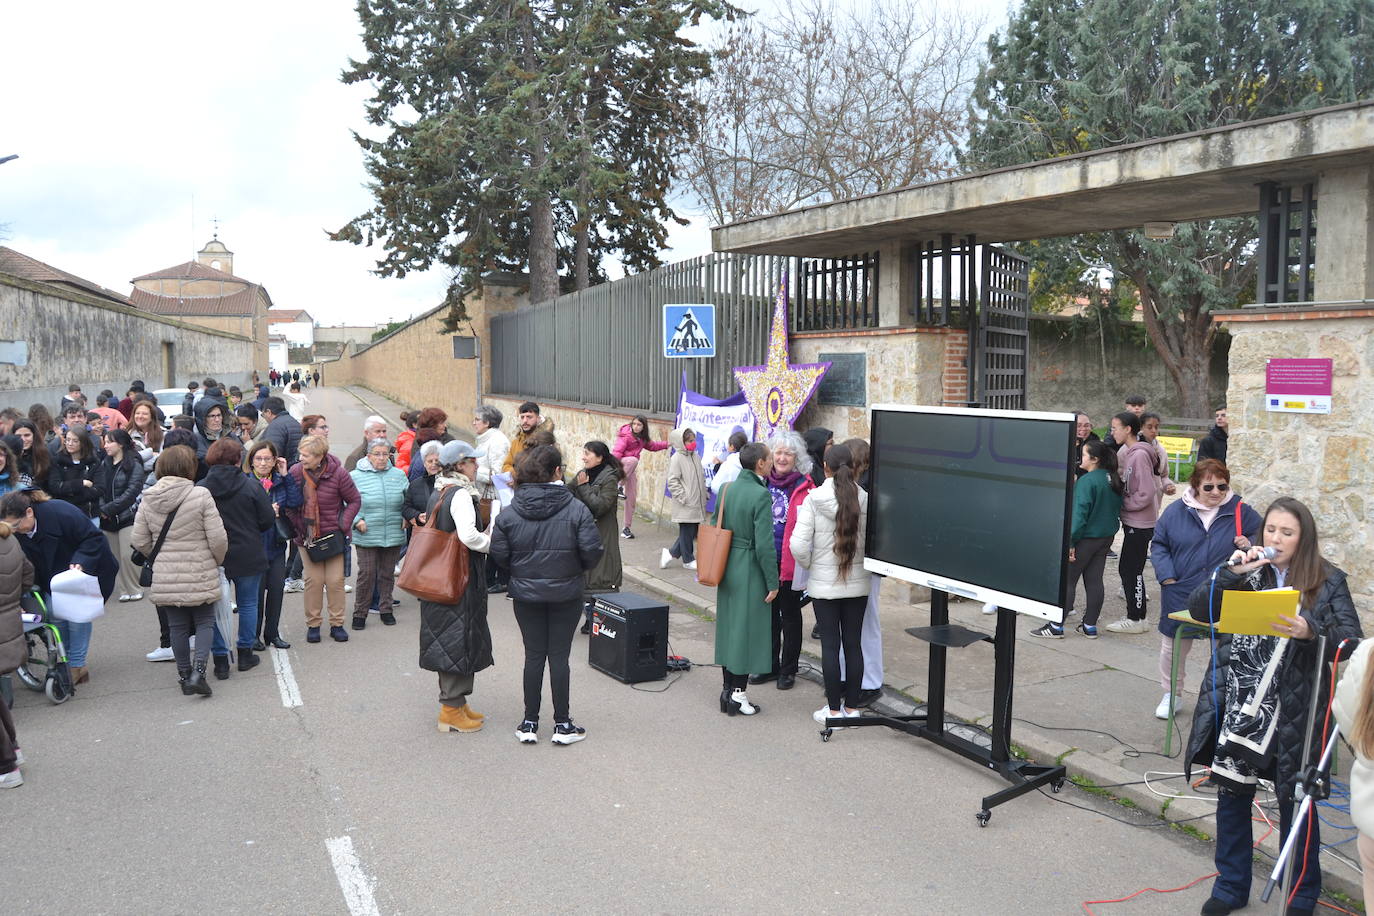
pixel 689 330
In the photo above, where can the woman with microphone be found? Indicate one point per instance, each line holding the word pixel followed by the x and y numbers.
pixel 1251 721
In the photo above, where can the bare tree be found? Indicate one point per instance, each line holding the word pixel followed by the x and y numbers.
pixel 819 104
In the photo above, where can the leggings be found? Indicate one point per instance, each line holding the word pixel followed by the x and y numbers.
pixel 547 629
pixel 631 485
pixel 734 681
pixel 686 540
pixel 1090 559
pixel 787 629
pixel 1166 661
pixel 1134 549
pixel 9 740
pixel 182 620
pixel 841 621
pixel 269 602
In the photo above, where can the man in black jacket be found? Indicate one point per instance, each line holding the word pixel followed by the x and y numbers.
pixel 1214 445
pixel 282 430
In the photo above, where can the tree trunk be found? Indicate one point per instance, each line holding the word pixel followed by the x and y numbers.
pixel 1184 345
pixel 543 253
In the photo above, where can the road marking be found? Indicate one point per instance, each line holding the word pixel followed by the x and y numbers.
pixel 355 883
pixel 286 681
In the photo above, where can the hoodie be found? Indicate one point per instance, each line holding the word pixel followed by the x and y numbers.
pixel 547 540
pixel 812 543
pixel 245 510
pixel 815 438
pixel 1140 499
pixel 686 480
pixel 203 435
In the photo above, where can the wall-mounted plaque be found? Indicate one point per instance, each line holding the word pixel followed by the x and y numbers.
pixel 846 384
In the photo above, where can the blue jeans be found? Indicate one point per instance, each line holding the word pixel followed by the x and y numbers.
pixel 76 639
pixel 246 592
pixel 1235 855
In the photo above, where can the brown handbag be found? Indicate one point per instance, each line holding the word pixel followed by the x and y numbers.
pixel 713 547
pixel 436 564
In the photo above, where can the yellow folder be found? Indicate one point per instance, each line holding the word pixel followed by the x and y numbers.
pixel 1256 613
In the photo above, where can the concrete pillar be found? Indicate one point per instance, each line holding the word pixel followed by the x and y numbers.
pixel 1345 235
pixel 896 281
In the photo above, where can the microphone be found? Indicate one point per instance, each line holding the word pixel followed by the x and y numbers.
pixel 1268 554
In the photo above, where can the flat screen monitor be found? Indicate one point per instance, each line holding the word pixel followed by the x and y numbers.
pixel 977 503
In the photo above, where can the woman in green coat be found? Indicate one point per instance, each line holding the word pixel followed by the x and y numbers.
pixel 595 486
pixel 744 629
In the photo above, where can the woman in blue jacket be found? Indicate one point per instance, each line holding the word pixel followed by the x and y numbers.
pixel 1194 536
pixel 379 530
pixel 267 469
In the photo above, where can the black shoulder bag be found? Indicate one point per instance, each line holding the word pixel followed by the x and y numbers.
pixel 145 577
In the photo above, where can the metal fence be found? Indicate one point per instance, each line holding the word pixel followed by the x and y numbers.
pixel 604 346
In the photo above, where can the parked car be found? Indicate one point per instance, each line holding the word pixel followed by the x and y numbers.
pixel 169 402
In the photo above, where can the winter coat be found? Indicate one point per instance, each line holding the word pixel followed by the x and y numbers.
pixel 404 440
pixel 628 445
pixel 418 493
pixel 8 481
pixel 600 498
pixel 1182 550
pixel 204 439
pixel 1350 701
pixel 245 510
pixel 492 448
pixel 1213 445
pixel 686 481
pixel 64 536
pixel 1333 614
pixel 296 405
pixel 787 564
pixel 336 495
pixel 120 491
pixel 186 570
pixel 416 468
pixel 455 638
pixel 744 628
pixel 66 482
pixel 382 494
pixel 16 580
pixel 547 540
pixel 812 544
pixel 1140 499
pixel 518 444
pixel 1096 507
pixel 284 494
pixel 285 434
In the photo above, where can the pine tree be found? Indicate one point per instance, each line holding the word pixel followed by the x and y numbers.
pixel 524 135
pixel 1075 75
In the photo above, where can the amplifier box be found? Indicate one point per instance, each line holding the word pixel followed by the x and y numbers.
pixel 629 637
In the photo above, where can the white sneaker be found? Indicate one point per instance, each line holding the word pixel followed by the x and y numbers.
pixel 1162 710
pixel 1125 625
pixel 11 780
pixel 664 559
pixel 825 712
pixel 691 565
pixel 294 585
pixel 18 757
pixel 160 655
pixel 137 596
pixel 123 598
pixel 347 588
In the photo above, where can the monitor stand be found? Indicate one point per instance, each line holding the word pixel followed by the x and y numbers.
pixel 1024 776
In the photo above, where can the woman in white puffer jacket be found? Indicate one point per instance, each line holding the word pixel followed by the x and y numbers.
pixel 1354 709
pixel 829 541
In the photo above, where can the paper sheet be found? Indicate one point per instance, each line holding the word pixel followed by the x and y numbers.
pixel 76 597
pixel 505 491
pixel 1256 613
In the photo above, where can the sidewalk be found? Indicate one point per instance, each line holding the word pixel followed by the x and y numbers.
pixel 1092 701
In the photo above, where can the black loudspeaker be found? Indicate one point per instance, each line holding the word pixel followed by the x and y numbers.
pixel 629 637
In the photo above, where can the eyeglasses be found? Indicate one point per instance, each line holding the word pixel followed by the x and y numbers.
pixel 1221 487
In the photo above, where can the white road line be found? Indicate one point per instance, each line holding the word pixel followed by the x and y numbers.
pixel 355 883
pixel 286 681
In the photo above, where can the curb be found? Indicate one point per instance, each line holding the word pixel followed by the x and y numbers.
pixel 1196 813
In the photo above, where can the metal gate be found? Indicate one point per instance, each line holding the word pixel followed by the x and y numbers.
pixel 1002 338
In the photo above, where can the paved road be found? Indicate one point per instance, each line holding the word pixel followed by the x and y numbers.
pixel 139 800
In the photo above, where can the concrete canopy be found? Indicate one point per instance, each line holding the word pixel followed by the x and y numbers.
pixel 1203 175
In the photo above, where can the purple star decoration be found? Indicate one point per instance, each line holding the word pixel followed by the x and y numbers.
pixel 778 390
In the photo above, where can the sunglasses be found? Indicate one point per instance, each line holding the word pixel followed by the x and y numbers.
pixel 1221 487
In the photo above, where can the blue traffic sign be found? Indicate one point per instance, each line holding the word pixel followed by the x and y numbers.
pixel 689 330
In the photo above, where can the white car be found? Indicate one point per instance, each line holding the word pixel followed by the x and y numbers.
pixel 169 402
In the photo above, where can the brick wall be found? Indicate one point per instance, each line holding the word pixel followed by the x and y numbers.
pixel 954 370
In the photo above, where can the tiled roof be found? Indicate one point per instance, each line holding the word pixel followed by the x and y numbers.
pixel 21 265
pixel 278 316
pixel 243 302
pixel 191 270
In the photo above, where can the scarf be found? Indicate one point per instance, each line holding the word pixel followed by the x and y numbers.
pixel 1245 743
pixel 454 479
pixel 594 472
pixel 310 512
pixel 786 481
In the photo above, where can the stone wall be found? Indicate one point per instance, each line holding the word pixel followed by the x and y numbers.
pixel 100 344
pixel 1324 460
pixel 1066 369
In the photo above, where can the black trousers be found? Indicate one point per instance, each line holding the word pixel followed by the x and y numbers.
pixel 495 574
pixel 547 629
pixel 1135 547
pixel 787 629
pixel 1089 561
pixel 842 621
pixel 684 546
pixel 734 681
pixel 269 601
pixel 164 638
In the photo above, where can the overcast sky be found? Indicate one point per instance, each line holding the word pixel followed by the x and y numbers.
pixel 137 123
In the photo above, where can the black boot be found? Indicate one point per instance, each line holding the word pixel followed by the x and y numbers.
pixel 185 675
pixel 222 667
pixel 197 681
pixel 727 705
pixel 247 659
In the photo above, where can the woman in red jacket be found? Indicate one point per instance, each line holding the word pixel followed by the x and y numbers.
pixel 632 439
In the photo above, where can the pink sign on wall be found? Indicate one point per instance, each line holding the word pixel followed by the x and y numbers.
pixel 1297 385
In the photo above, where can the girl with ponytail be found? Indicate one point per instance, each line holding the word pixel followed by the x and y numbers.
pixel 829 541
pixel 1354 710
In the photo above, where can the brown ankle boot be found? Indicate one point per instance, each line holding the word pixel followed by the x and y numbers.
pixel 472 714
pixel 80 676
pixel 452 718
